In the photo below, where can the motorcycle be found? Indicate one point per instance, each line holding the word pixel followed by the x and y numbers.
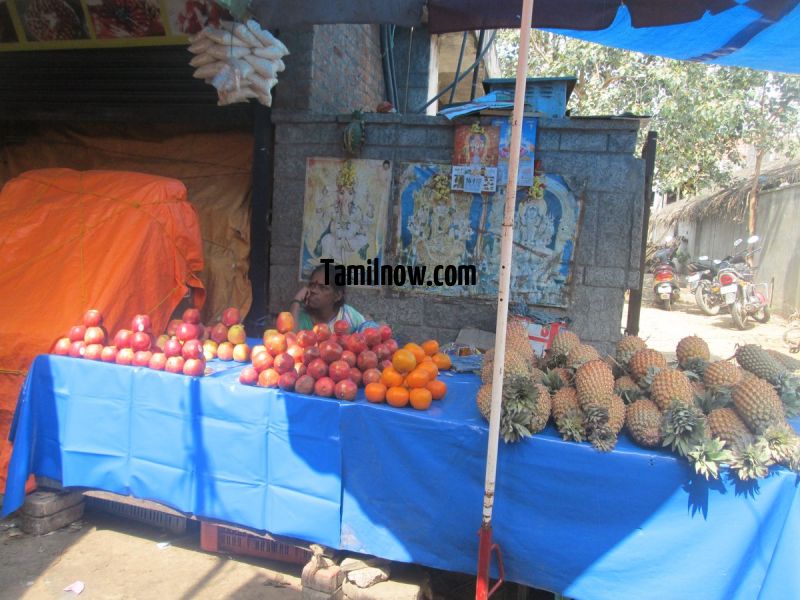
pixel 745 298
pixel 704 285
pixel 665 286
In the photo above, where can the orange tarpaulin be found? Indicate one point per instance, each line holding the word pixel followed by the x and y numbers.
pixel 124 243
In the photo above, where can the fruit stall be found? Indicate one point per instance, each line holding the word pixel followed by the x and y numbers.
pixel 614 470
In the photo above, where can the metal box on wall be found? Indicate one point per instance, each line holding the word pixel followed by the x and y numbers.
pixel 546 96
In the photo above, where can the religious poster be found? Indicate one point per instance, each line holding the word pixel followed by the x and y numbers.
pixel 345 211
pixel 475 156
pixel 527 150
pixel 132 19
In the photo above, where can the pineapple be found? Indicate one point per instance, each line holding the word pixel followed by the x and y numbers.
pixel 756 360
pixel 753 462
pixel 540 415
pixel 683 427
pixel 757 404
pixel 519 403
pixel 628 389
pixel 515 365
pixel 580 354
pixel 603 438
pixel 692 353
pixel 568 415
pixel 783 442
pixel 593 380
pixel 721 374
pixel 627 347
pixel 562 343
pixel 668 386
pixel 644 364
pixel 643 422
pixel 750 458
pixel 616 414
pixel 557 378
pixel 789 363
pixel 707 457
pixel 518 342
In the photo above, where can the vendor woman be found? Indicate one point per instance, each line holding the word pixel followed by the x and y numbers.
pixel 321 302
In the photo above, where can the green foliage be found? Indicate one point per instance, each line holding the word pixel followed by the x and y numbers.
pixel 702 113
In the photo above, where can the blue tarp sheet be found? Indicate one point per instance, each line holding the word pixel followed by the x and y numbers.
pixel 407 485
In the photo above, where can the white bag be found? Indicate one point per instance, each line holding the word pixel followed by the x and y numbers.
pixel 201 46
pixel 210 70
pixel 270 53
pixel 202 60
pixel 265 37
pixel 227 52
pixel 262 66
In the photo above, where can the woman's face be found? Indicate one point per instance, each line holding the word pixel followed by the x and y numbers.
pixel 321 296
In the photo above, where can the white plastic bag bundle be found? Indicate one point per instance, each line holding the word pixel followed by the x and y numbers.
pixel 241 61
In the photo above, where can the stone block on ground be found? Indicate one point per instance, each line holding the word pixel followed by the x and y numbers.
pixel 387 590
pixel 46 503
pixel 326 580
pixel 353 564
pixel 370 576
pixel 43 525
pixel 309 594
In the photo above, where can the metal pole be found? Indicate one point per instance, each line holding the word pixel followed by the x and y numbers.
pixel 478 49
pixel 458 67
pixel 485 534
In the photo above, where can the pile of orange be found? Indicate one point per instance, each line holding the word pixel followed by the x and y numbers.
pixel 412 377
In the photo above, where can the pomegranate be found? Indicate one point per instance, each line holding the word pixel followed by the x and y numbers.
pixel 304 385
pixel 142 323
pixel 268 378
pixel 225 351
pixel 142 358
pixel 248 376
pixel 296 352
pixel 262 360
pixel 275 343
pixel 93 351
pixel 310 354
pixel 237 335
pixel 161 341
pixel 231 316
pixel 122 339
pixel 291 338
pixel 285 322
pixel 174 364
pixel 371 376
pixel 283 363
pixel 77 349
pixel 219 333
pixel 210 350
pixel 300 368
pixel 187 331
pixel 258 348
pixel 385 364
pixel 324 387
pixel 77 333
pixel 172 347
pixel 382 352
pixel 339 370
pixel 62 346
pixel 341 327
pixel 306 338
pixel 92 318
pixel 346 390
pixel 356 376
pixel 367 360
pixel 392 345
pixel 192 349
pixel 356 343
pixel 191 315
pixel 372 336
pixel 158 361
pixel 172 327
pixel 203 332
pixel 317 368
pixel 349 357
pixel 140 341
pixel 124 356
pixel 287 381
pixel 386 332
pixel 109 354
pixel 322 332
pixel 241 353
pixel 194 367
pixel 330 351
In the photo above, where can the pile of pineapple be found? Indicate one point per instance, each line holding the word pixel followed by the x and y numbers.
pixel 708 412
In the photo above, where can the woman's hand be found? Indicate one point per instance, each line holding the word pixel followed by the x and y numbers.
pixel 301 295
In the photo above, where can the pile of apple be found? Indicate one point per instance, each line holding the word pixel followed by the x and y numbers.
pixel 226 340
pixel 320 361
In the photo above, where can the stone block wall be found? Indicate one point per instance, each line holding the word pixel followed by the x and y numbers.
pixel 595 157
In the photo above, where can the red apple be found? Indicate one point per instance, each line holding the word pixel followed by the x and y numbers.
pixel 62 346
pixel 356 343
pixel 93 351
pixel 310 354
pixel 172 347
pixel 356 376
pixel 241 353
pixel 172 327
pixel 372 336
pixel 124 356
pixel 367 360
pixel 140 341
pixel 77 349
pixel 330 351
pixel 194 367
pixel 142 358
pixel 346 390
pixel 258 348
pixel 322 332
pixel 324 387
pixel 285 322
pixel 339 370
pixel 161 341
pixel 92 318
pixel 262 360
pixel 210 350
pixel 187 331
pixel 382 352
pixel 342 340
pixel 371 376
pixel 248 376
pixel 219 333
pixel 317 368
pixel 283 363
pixel 304 385
pixel 141 323
pixel 231 316
pixel 203 332
pixel 349 357
pixel 225 351
pixel 174 364
pixel 291 338
pixel 341 327
pixel 287 381
pixel 268 378
pixel 192 349
pixel 392 345
pixel 191 315
pixel 275 343
pixel 386 332
pixel 300 368
pixel 296 352
pixel 77 333
pixel 306 338
pixel 236 334
pixel 122 339
pixel 109 354
pixel 158 361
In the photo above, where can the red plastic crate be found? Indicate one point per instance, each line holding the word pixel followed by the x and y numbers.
pixel 219 538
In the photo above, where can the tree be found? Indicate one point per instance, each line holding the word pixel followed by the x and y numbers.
pixel 703 113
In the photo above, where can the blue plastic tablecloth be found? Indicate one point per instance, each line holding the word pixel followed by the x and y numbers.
pixel 407 485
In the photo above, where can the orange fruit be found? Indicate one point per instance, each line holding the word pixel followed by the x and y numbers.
pixel 397 396
pixel 430 367
pixel 418 378
pixel 420 398
pixel 416 350
pixel 404 360
pixel 391 378
pixel 442 361
pixel 375 392
pixel 437 388
pixel 430 347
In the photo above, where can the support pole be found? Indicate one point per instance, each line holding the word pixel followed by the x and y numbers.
pixel 485 534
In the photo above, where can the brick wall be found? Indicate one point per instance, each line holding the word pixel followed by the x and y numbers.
pixel 594 156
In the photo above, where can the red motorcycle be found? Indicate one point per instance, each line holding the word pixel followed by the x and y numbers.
pixel 665 281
